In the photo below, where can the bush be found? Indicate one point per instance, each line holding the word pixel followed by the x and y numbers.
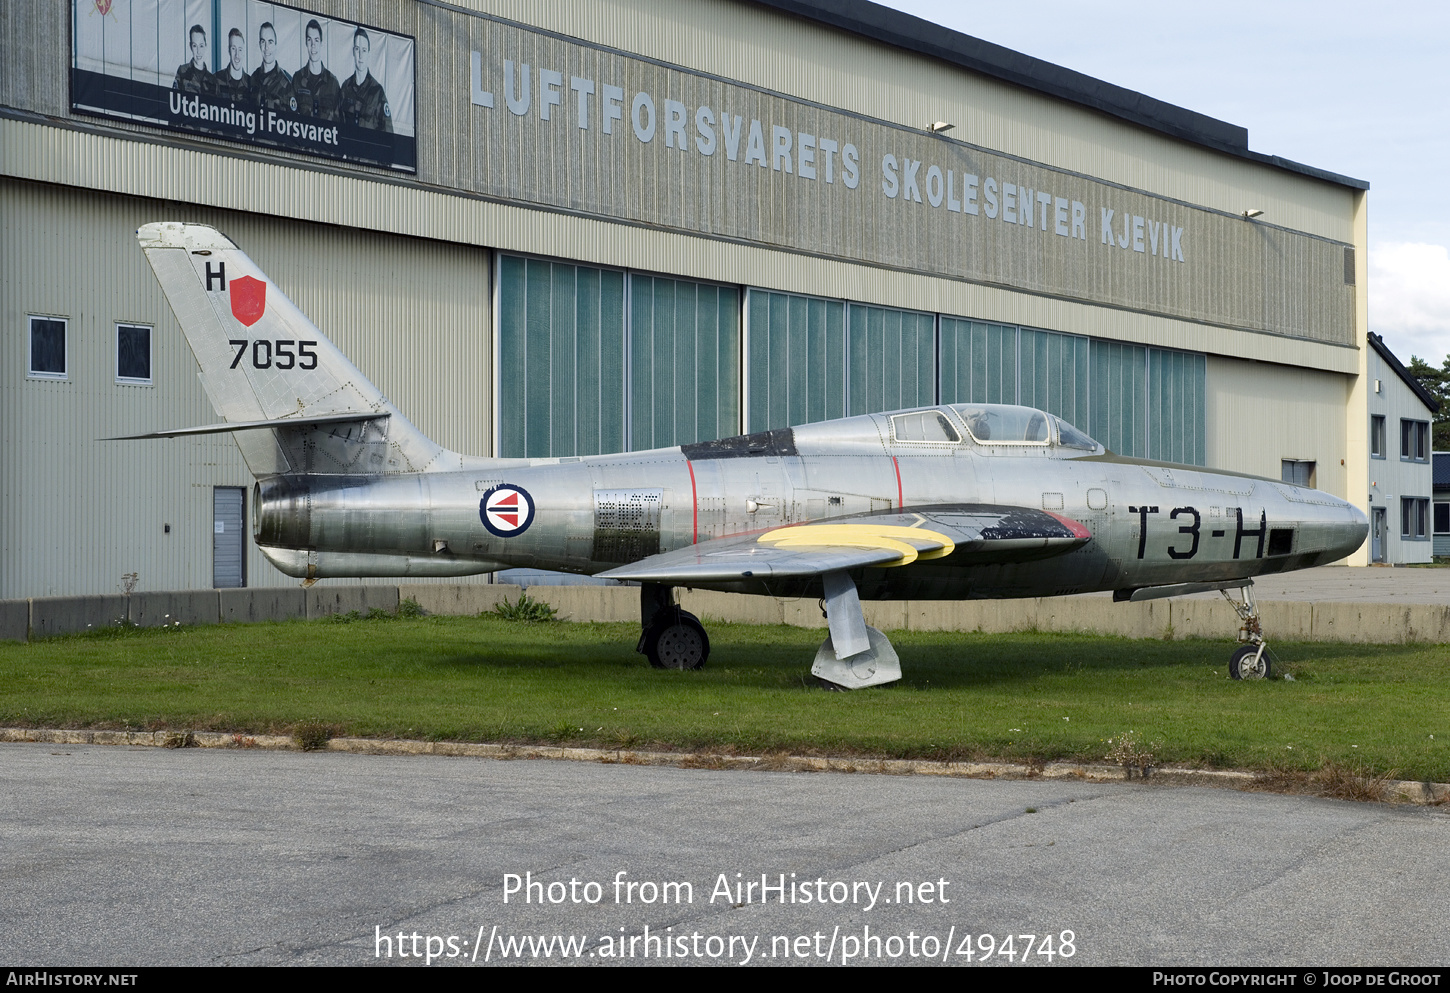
pixel 409 609
pixel 525 609
pixel 311 736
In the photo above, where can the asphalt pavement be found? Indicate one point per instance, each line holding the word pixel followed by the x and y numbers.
pixel 143 856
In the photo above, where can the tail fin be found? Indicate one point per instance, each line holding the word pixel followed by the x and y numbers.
pixel 262 360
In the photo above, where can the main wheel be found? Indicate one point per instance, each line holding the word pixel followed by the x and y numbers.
pixel 676 640
pixel 1243 666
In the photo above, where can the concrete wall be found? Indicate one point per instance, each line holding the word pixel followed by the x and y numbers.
pixel 1377 623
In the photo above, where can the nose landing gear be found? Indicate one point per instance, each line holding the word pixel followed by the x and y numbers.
pixel 1251 659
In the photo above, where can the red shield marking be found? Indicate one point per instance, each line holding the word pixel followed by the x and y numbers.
pixel 249 300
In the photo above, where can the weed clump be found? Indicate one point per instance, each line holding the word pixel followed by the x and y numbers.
pixel 311 736
pixel 409 609
pixel 1129 751
pixel 526 608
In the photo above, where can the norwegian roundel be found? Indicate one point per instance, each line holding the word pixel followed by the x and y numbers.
pixel 506 510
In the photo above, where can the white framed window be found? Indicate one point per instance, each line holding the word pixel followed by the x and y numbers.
pixel 133 354
pixel 47 348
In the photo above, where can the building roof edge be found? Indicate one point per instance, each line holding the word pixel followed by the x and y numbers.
pixel 1378 344
pixel 893 27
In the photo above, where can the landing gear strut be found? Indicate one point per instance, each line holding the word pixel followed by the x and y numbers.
pixel 854 655
pixel 670 638
pixel 1251 659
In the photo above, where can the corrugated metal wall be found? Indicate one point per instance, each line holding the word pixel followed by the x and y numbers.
pixel 561 359
pixel 77 513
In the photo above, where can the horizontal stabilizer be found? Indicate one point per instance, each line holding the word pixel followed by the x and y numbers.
pixel 280 422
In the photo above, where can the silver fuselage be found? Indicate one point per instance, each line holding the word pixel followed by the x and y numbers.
pixel 1152 523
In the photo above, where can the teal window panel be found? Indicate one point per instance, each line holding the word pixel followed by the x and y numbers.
pixel 892 356
pixel 1053 374
pixel 684 361
pixel 796 355
pixel 1177 385
pixel 1119 397
pixel 561 359
pixel 978 362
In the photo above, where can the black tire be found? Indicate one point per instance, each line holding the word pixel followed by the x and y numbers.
pixel 676 640
pixel 1241 665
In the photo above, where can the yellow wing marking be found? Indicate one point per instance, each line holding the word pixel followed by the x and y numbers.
pixel 912 543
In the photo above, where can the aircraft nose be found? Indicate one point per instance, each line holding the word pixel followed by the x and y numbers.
pixel 1348 531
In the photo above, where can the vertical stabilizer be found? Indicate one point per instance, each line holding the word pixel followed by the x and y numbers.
pixel 262 359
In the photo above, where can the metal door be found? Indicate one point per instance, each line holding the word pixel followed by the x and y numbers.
pixel 228 540
pixel 1377 533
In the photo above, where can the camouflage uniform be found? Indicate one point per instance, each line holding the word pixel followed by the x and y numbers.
pixel 366 105
pixel 316 95
pixel 273 89
pixel 238 91
pixel 190 79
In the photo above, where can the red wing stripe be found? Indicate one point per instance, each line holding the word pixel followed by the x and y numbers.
pixel 694 505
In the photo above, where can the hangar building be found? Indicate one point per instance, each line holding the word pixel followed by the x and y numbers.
pixel 549 229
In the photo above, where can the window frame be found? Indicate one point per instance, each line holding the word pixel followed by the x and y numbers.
pixel 150 330
pixel 1437 505
pixel 1414 440
pixel 30 370
pixel 1414 514
pixel 1377 436
pixel 1311 476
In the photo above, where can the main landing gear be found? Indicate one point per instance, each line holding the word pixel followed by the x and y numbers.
pixel 855 655
pixel 1251 659
pixel 671 638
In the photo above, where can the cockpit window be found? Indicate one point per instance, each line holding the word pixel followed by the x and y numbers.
pixel 924 425
pixel 1006 424
pixel 1070 437
pixel 999 424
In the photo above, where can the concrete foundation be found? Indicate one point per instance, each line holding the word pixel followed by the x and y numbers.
pixel 1384 622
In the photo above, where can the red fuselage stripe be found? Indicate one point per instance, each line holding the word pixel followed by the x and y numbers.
pixel 900 502
pixel 694 506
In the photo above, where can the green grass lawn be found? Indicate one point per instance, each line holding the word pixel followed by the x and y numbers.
pixel 1045 696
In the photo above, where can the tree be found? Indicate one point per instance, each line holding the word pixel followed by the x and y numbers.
pixel 1437 384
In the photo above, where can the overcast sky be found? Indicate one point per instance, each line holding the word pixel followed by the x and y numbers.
pixel 1357 88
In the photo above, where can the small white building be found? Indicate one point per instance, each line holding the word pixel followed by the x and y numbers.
pixel 1401 479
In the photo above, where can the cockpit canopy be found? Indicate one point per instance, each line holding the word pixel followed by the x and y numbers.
pixel 990 424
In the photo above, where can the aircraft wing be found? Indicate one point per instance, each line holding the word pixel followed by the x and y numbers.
pixel 971 534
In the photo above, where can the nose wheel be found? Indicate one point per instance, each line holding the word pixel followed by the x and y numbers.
pixel 1250 662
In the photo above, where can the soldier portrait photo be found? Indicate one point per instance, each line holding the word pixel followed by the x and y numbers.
pixel 194 76
pixel 363 101
pixel 232 82
pixel 315 91
pixel 270 82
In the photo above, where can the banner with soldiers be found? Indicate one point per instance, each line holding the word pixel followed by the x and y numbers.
pixel 253 72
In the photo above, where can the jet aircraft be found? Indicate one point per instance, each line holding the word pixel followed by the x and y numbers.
pixel 952 501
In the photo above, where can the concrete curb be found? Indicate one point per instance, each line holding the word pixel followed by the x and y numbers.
pixel 1404 791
